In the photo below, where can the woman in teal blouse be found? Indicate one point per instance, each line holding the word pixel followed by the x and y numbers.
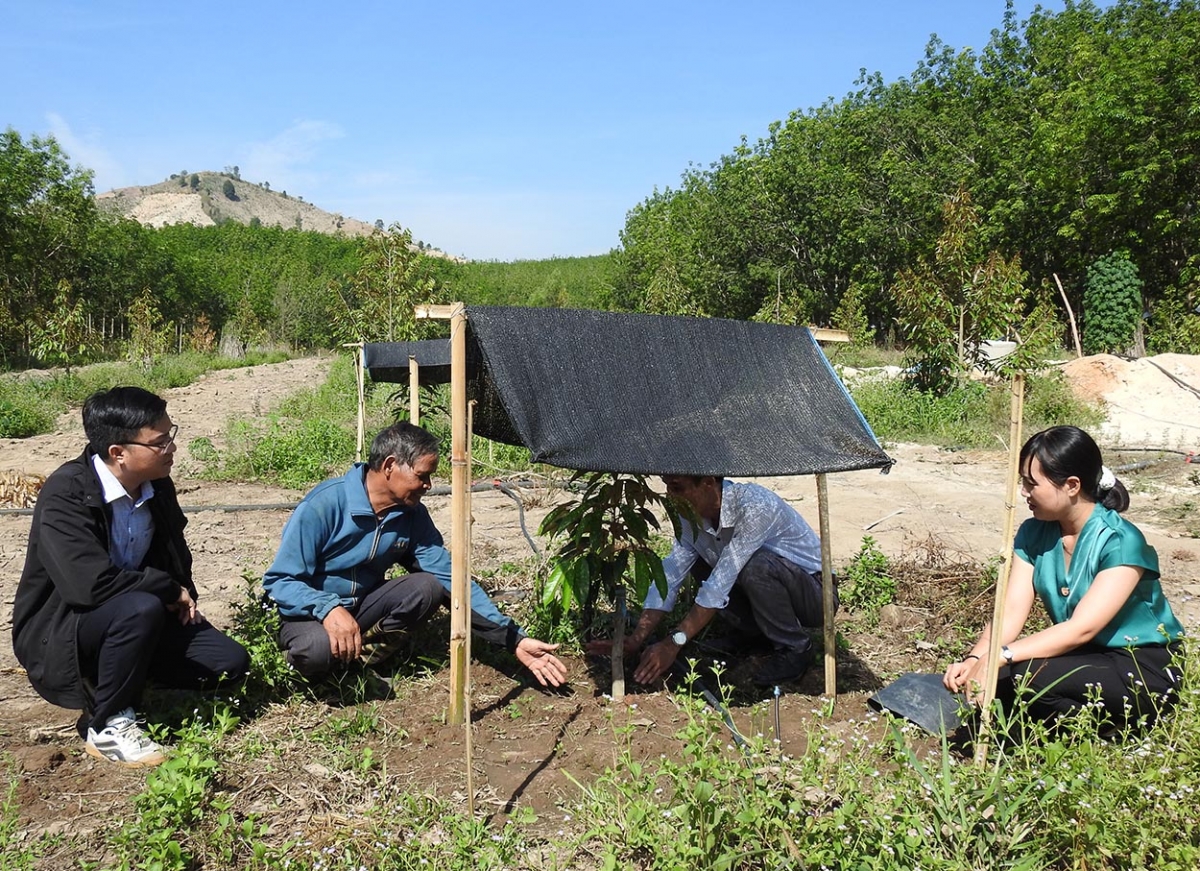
pixel 1114 638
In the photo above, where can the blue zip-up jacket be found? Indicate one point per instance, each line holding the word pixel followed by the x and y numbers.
pixel 335 550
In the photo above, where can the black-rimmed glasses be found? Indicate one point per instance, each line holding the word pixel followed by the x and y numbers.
pixel 163 446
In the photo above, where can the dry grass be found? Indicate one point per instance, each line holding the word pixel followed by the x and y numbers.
pixel 18 490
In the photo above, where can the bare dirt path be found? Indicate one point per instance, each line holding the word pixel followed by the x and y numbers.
pixel 950 500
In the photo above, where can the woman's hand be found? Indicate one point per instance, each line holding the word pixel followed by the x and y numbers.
pixel 967 676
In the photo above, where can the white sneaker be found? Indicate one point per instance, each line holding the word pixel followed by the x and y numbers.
pixel 122 741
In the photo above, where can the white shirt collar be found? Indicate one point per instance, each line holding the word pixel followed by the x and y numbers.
pixel 114 489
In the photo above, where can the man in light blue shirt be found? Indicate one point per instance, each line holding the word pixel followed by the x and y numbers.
pixel 759 567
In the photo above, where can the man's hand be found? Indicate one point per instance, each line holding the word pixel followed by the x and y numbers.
pixel 345 637
pixel 538 657
pixel 185 608
pixel 656 660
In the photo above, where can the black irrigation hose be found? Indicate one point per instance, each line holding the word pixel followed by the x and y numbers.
pixel 1174 378
pixel 1151 451
pixel 1135 467
pixel 512 494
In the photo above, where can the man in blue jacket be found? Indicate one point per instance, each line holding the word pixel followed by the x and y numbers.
pixel 329 579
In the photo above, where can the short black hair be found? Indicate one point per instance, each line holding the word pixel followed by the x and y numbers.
pixel 116 416
pixel 1067 451
pixel 405 441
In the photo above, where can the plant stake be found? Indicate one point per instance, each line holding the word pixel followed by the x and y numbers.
pixel 414 390
pixel 1017 410
pixel 827 589
pixel 460 505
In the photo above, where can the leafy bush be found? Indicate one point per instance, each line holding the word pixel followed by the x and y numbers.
pixel 898 411
pixel 1177 322
pixel 1049 401
pixel 22 415
pixel 299 455
pixel 972 414
pixel 1112 305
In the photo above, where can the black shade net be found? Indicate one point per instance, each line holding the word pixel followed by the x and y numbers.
pixel 388 361
pixel 654 394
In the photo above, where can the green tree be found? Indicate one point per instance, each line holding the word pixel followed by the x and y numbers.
pixel 379 298
pixel 148 336
pixel 1075 132
pixel 1177 322
pixel 851 316
pixel 46 212
pixel 63 339
pixel 605 548
pixel 949 307
pixel 228 189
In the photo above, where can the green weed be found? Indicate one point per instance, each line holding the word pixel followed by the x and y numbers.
pixel 256 627
pixel 15 853
pixel 866 583
pixel 23 412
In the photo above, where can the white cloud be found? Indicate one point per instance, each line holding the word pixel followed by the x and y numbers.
pixel 83 151
pixel 280 160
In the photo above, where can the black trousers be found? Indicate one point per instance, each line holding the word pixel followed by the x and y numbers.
pixel 772 597
pixel 132 638
pixel 1133 686
pixel 401 603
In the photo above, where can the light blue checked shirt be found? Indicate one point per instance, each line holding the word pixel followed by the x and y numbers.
pixel 132 524
pixel 752 518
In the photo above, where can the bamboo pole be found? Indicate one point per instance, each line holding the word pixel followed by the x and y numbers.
pixel 414 391
pixel 1071 315
pixel 467 676
pixel 617 662
pixel 360 377
pixel 460 485
pixel 1016 412
pixel 827 588
pixel 460 505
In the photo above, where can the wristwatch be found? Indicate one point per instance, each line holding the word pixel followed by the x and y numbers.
pixel 1006 652
pixel 679 638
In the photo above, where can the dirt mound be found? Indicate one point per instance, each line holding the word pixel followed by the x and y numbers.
pixel 1150 402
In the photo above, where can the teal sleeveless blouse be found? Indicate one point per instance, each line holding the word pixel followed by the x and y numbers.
pixel 1106 540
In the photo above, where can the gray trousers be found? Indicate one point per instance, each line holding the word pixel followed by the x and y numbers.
pixel 773 598
pixel 401 603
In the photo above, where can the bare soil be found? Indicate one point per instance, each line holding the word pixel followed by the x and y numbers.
pixel 939 513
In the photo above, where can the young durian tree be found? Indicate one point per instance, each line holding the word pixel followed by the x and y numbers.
pixel 606 547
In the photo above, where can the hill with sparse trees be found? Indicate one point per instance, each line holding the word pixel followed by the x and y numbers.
pixel 209 198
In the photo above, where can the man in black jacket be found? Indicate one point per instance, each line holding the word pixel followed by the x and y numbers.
pixel 106 600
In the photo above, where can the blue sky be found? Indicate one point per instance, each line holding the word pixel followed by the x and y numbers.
pixel 492 130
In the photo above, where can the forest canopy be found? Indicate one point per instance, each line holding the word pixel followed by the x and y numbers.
pixel 1075 135
pixel 944 206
